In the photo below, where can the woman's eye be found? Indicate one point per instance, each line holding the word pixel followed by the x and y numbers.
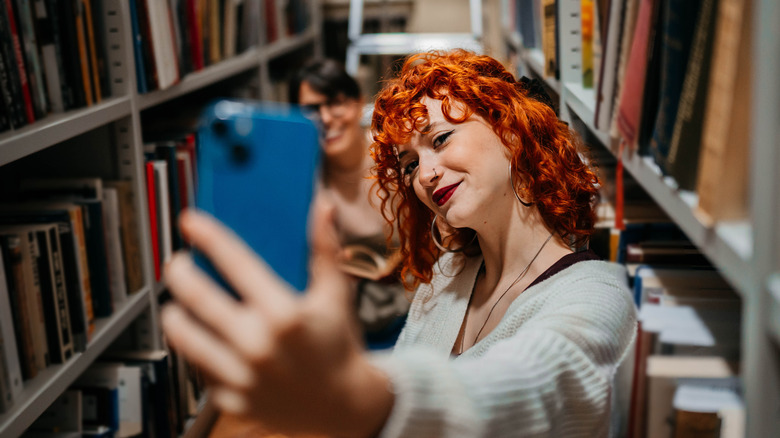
pixel 438 141
pixel 409 168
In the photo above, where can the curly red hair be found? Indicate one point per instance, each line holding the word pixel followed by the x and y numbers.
pixel 545 153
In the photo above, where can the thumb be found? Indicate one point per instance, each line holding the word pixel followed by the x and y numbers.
pixel 327 279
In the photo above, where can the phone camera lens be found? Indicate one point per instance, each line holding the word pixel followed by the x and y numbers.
pixel 239 153
pixel 219 127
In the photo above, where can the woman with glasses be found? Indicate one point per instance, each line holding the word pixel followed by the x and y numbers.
pixel 326 92
pixel 514 330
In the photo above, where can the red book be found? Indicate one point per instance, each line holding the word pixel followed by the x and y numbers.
pixel 19 58
pixel 152 205
pixel 196 38
pixel 630 107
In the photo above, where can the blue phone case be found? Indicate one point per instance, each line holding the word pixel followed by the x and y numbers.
pixel 257 165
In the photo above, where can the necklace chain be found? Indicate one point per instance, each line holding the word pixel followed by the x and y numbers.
pixel 520 276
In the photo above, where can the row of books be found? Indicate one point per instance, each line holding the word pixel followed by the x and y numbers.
pixel 175 37
pixel 53 58
pixel 171 177
pixel 70 255
pixel 125 393
pixel 650 64
pixel 682 379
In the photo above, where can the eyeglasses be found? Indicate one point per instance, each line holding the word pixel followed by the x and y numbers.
pixel 336 107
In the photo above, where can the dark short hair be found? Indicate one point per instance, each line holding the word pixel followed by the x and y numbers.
pixel 326 76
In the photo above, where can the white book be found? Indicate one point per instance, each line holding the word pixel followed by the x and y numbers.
pixel 130 401
pixel 116 263
pixel 163 209
pixel 13 367
pixel 165 58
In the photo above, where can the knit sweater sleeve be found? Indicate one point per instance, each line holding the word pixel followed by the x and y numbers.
pixel 546 370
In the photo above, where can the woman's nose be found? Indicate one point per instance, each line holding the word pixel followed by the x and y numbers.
pixel 429 175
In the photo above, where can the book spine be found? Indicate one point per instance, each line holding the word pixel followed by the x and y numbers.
pixel 49 299
pixel 30 42
pixel 29 109
pixel 138 50
pixel 83 51
pixel 97 259
pixel 151 197
pixel 72 285
pixel 12 256
pixel 30 253
pixel 12 88
pixel 92 49
pixel 82 263
pixel 60 289
pixel 49 57
pixel 9 350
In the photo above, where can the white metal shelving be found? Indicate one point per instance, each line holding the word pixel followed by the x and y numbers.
pixel 122 114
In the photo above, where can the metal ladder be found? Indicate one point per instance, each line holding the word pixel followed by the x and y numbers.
pixel 399 43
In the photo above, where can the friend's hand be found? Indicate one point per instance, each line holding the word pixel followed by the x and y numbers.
pixel 293 362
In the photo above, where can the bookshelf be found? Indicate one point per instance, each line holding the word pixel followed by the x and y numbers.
pixel 746 251
pixel 120 116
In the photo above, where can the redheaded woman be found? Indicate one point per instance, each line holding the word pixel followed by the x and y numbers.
pixel 514 330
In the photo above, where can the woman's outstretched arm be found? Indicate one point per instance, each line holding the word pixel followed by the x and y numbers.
pixel 289 361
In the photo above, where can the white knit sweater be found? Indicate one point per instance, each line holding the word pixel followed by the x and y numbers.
pixel 545 371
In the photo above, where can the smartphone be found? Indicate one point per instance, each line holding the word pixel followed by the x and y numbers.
pixel 257 165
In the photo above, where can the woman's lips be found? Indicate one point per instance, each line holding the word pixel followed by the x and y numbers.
pixel 441 196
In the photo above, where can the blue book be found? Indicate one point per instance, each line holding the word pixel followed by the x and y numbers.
pixel 140 69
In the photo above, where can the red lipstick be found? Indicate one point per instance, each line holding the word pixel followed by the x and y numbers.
pixel 441 196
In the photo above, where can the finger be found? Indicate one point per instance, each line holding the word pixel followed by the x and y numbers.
pixel 229 401
pixel 328 282
pixel 201 348
pixel 210 304
pixel 238 264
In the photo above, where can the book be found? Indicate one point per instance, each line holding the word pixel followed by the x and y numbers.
pixel 70 225
pixel 682 160
pixel 87 193
pixel 161 33
pixel 728 119
pixel 630 14
pixel 63 18
pixel 129 229
pixel 48 260
pixel 34 64
pixel 166 151
pixel 363 261
pixel 587 24
pixel 11 247
pixel 664 373
pixel 549 38
pixel 629 117
pixel 50 57
pixel 164 220
pixel 702 410
pixel 138 49
pixel 34 298
pixel 156 366
pixel 676 41
pixel 13 367
pixel 113 238
pixel 91 45
pixel 99 386
pixel 12 81
pixel 607 82
pixel 151 198
pixel 18 59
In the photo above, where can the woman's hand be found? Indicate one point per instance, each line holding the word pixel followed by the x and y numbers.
pixel 292 362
